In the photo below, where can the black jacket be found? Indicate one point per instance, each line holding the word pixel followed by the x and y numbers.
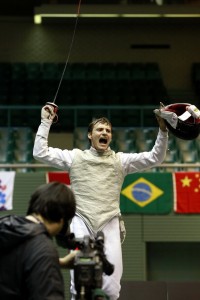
pixel 29 266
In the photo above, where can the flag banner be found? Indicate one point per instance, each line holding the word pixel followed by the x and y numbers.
pixel 147 193
pixel 7 180
pixel 186 192
pixel 61 176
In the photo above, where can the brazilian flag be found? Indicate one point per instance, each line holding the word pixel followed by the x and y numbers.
pixel 147 193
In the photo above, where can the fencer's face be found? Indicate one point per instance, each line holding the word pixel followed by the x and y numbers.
pixel 100 136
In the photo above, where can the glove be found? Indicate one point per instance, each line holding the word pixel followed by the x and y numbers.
pixel 170 117
pixel 47 112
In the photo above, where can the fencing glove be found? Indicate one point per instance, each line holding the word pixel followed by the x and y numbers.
pixel 47 112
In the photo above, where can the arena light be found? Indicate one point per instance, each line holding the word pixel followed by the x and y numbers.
pixel 141 15
pixel 117 11
pixel 181 15
pixel 38 18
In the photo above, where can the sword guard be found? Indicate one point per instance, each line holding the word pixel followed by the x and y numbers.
pixel 54 106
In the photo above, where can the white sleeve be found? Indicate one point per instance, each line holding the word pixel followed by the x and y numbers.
pixel 54 157
pixel 137 162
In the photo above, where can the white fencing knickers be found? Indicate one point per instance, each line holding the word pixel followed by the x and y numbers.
pixel 112 249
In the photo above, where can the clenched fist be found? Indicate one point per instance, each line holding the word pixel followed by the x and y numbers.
pixel 47 112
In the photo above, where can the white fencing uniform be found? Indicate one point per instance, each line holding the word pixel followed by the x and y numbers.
pixel 96 180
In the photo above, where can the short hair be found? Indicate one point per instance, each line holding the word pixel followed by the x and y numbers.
pixel 102 120
pixel 53 201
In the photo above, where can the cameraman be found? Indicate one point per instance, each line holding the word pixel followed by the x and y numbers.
pixel 29 262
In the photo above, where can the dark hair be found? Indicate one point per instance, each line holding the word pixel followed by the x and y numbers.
pixel 102 120
pixel 53 201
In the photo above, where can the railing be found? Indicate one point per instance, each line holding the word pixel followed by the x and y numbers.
pixel 164 166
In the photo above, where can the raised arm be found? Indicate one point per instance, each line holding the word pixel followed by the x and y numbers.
pixel 136 162
pixel 54 157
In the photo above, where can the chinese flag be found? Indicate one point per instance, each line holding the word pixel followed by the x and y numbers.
pixel 60 176
pixel 186 192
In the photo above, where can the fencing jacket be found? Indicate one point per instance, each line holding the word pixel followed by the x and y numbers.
pixel 97 185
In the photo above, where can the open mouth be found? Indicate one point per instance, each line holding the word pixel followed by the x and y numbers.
pixel 103 141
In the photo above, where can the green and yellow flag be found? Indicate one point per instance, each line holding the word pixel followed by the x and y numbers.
pixel 147 193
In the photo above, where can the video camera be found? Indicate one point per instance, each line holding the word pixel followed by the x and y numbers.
pixel 89 265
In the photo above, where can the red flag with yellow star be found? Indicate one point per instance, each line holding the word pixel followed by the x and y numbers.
pixel 186 192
